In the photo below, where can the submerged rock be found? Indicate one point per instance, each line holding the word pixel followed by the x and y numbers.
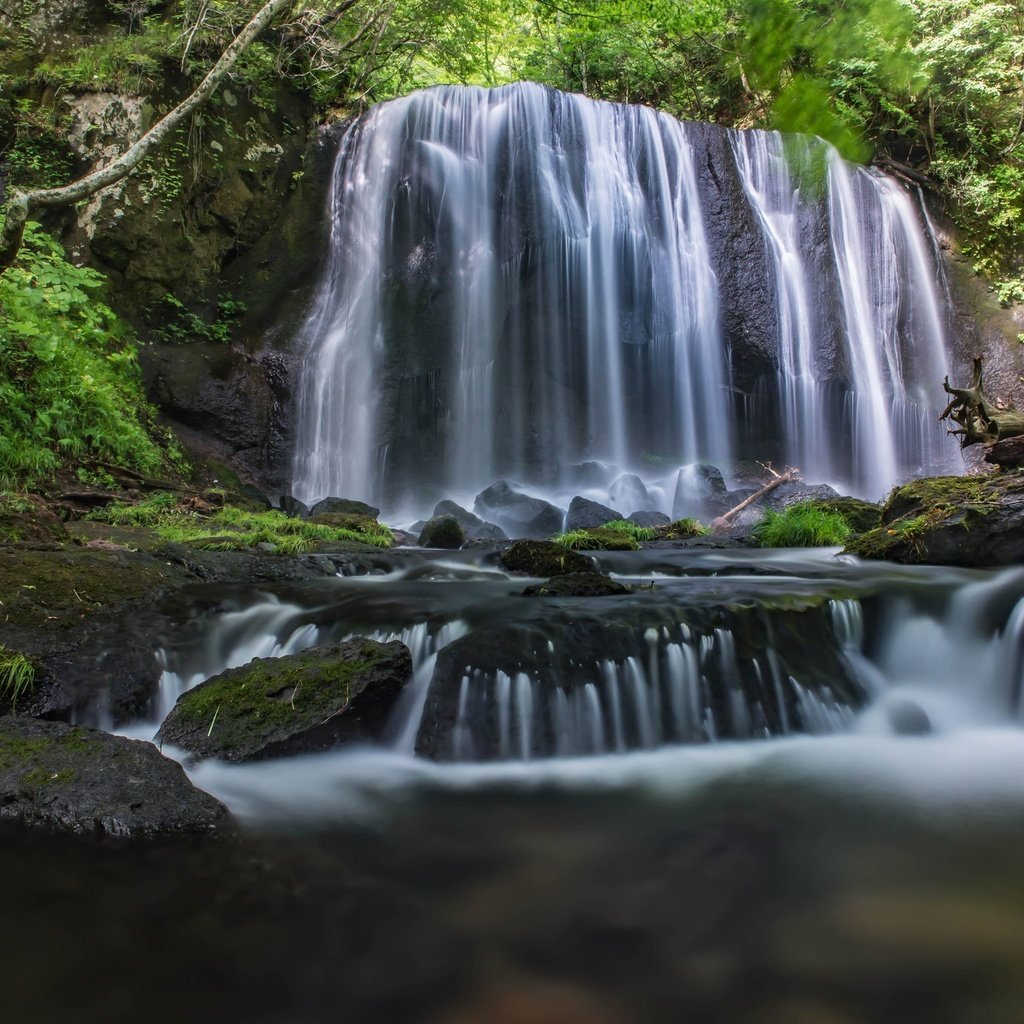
pixel 475 527
pixel 442 532
pixel 518 514
pixel 344 507
pixel 584 514
pixel 308 702
pixel 974 521
pixel 577 584
pixel 543 558
pixel 81 780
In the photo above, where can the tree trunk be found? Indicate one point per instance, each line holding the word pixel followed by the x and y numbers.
pixel 778 480
pixel 23 204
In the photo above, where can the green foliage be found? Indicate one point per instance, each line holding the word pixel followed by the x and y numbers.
pixel 235 529
pixel 17 675
pixel 69 384
pixel 182 325
pixel 803 525
pixel 618 535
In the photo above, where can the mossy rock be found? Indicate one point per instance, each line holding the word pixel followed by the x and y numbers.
pixel 577 584
pixel 80 780
pixel 543 558
pixel 442 532
pixel 681 529
pixel 273 707
pixel 343 507
pixel 975 521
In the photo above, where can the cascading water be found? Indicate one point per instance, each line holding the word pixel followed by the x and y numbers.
pixel 521 279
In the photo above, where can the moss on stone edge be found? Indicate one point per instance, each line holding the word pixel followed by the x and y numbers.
pixel 913 511
pixel 269 700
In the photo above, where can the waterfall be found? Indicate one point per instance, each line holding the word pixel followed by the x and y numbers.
pixel 521 279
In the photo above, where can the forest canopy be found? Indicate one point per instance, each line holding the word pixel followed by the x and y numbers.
pixel 934 88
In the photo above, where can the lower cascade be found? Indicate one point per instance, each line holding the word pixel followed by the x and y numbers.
pixel 779 645
pixel 520 280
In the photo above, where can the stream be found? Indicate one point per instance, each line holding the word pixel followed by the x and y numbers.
pixel 826 827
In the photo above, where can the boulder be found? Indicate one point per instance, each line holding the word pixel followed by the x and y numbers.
pixel 475 527
pixel 293 507
pixel 629 491
pixel 577 584
pixel 654 519
pixel 442 532
pixel 797 491
pixel 585 514
pixel 519 514
pixel 700 491
pixel 344 507
pixel 973 521
pixel 589 474
pixel 543 558
pixel 84 781
pixel 303 703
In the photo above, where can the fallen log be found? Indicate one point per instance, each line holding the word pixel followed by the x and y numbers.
pixel 778 479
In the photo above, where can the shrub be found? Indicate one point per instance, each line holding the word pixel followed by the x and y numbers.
pixel 70 390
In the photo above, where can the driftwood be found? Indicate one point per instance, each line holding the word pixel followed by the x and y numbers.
pixel 979 420
pixel 778 479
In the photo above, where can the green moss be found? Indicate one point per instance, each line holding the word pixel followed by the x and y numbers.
pixel 543 558
pixel 237 529
pixel 683 529
pixel 912 512
pixel 39 776
pixel 245 709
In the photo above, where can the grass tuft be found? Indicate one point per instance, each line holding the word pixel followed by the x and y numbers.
pixel 17 675
pixel 803 525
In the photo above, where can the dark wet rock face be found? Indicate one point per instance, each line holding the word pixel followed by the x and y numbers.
pixel 543 558
pixel 975 521
pixel 654 519
pixel 597 675
pixel 303 703
pixel 293 507
pixel 80 780
pixel 585 514
pixel 442 532
pixel 518 514
pixel 700 491
pixel 577 584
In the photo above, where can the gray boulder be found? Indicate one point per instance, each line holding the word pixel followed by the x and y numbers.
pixel 650 519
pixel 700 491
pixel 293 507
pixel 303 703
pixel 475 527
pixel 629 491
pixel 585 514
pixel 81 780
pixel 518 514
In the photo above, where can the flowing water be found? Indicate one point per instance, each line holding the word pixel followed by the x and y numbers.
pixel 766 786
pixel 520 280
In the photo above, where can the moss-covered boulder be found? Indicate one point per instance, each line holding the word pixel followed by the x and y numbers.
pixel 81 780
pixel 344 507
pixel 577 584
pixel 309 702
pixel 543 558
pixel 861 515
pixel 975 521
pixel 442 532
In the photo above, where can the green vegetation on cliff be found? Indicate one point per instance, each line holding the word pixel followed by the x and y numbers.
pixel 70 393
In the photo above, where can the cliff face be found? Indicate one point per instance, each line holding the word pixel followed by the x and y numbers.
pixel 232 216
